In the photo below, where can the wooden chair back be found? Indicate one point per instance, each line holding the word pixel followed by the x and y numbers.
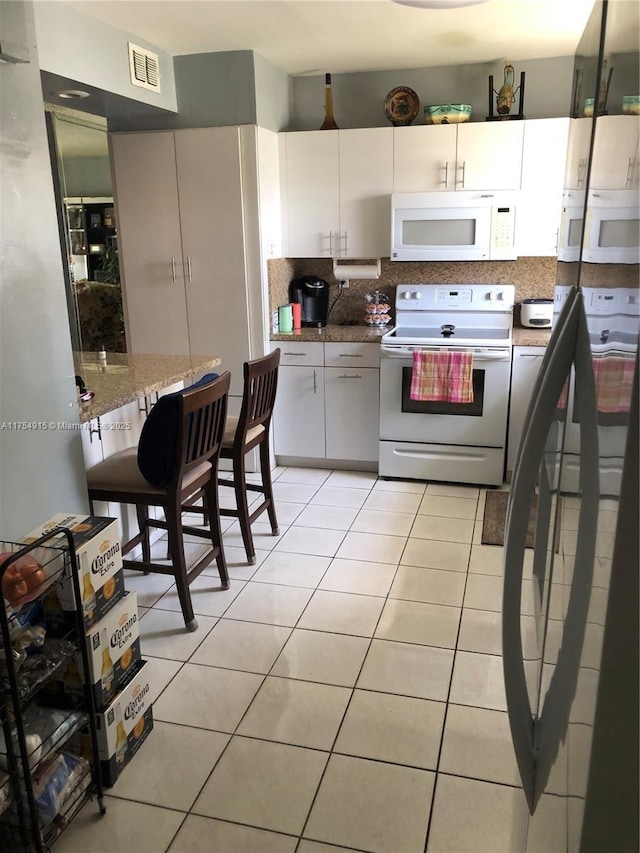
pixel 259 394
pixel 202 416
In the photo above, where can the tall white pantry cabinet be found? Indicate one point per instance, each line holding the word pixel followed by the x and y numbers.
pixel 190 243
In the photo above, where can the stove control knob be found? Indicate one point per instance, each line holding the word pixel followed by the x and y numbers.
pixel 406 294
pixel 495 296
pixel 416 295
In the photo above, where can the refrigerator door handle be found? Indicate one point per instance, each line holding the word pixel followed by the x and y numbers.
pixel 553 719
pixel 546 395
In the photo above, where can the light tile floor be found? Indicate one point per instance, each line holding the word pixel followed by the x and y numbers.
pixel 345 694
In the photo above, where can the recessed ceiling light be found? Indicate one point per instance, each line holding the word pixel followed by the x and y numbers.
pixel 438 4
pixel 69 94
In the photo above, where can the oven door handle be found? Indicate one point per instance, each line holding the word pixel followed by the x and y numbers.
pixel 478 354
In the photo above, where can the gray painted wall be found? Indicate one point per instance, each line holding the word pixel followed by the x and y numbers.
pixel 212 90
pixel 273 93
pixel 41 471
pixel 358 99
pixel 74 45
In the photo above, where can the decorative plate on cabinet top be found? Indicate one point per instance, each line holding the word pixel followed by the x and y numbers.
pixel 401 106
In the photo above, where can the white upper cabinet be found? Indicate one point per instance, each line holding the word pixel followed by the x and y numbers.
pixel 615 153
pixel 311 185
pixel 366 182
pixel 578 153
pixel 489 155
pixel 424 158
pixel 336 186
pixel 468 156
pixel 540 202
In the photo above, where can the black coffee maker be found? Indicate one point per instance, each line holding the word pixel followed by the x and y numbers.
pixel 313 294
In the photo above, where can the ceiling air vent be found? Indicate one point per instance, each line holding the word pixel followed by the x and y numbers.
pixel 144 68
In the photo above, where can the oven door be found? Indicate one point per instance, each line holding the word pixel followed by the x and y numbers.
pixel 482 423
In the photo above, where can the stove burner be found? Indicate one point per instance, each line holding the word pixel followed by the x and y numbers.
pixel 447 330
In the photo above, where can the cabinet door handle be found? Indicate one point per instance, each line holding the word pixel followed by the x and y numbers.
pixel 97 430
pixel 346 243
pixel 173 269
pixel 353 376
pixel 331 244
pixel 464 169
pixel 446 175
pixel 350 355
pixel 315 382
pixel 189 276
pixel 627 180
pixel 530 355
pixel 295 353
pixel 557 240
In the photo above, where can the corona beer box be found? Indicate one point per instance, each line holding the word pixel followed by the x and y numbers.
pixel 99 560
pixel 124 725
pixel 113 646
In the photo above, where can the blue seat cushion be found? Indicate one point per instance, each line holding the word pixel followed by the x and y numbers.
pixel 157 444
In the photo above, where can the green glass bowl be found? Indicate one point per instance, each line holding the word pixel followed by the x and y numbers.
pixel 447 113
pixel 631 105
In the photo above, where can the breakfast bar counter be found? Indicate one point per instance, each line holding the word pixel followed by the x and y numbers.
pixel 126 377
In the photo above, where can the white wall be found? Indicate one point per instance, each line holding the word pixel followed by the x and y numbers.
pixel 74 45
pixel 41 471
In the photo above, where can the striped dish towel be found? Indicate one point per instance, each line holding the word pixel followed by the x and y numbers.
pixel 614 382
pixel 444 375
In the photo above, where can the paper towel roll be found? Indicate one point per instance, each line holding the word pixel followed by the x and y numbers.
pixel 354 271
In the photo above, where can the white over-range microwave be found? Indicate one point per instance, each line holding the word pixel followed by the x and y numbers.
pixel 611 229
pixel 453 226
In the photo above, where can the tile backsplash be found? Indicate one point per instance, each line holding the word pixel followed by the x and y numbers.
pixel 532 277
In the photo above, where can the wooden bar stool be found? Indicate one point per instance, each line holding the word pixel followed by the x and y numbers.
pixel 177 456
pixel 242 434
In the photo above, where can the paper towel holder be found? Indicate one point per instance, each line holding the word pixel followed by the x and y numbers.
pixel 345 272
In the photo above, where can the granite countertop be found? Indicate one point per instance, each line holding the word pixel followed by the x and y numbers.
pixel 127 377
pixel 530 337
pixel 333 333
pixel 367 334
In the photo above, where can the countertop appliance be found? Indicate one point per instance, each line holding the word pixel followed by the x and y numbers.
pixel 453 442
pixel 313 293
pixel 536 313
pixel 570 634
pixel 453 226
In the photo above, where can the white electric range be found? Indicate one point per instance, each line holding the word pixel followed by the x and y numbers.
pixel 435 440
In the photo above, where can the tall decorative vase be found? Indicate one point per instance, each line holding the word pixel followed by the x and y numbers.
pixel 329 122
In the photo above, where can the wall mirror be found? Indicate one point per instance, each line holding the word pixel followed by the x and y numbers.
pixel 87 225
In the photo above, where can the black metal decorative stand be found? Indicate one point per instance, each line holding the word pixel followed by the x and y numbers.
pixel 507 116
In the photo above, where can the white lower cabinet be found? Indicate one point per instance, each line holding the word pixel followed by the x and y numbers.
pixel 524 372
pixel 328 401
pixel 352 413
pixel 298 418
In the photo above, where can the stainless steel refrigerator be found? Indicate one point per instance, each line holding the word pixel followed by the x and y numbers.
pixel 572 696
